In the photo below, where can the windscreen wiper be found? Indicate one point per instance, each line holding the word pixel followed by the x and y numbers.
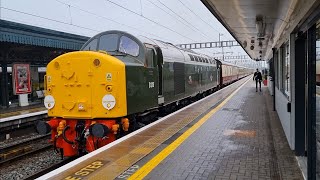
pixel 117 53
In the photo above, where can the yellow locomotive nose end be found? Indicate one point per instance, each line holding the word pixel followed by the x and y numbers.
pixel 86 85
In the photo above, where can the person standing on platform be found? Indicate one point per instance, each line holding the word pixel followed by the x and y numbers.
pixel 258 77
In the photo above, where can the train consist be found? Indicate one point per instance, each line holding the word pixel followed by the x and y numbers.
pixel 117 80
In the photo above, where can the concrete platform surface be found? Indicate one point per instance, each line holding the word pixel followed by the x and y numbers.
pixel 244 139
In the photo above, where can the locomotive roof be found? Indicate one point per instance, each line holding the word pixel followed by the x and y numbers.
pixel 170 52
pixel 231 64
pixel 176 53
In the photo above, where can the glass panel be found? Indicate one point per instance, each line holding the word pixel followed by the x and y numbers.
pixel 149 57
pixel 92 46
pixel 191 57
pixel 108 42
pixel 318 98
pixel 287 70
pixel 128 46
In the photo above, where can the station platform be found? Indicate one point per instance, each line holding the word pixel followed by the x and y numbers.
pixel 20 111
pixel 20 117
pixel 231 134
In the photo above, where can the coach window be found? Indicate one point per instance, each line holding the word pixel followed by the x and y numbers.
pixel 91 46
pixel 279 67
pixel 128 46
pixel 286 69
pixel 276 66
pixel 191 57
pixel 108 42
pixel 149 57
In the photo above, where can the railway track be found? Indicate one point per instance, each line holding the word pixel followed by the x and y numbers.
pixel 25 148
pixel 50 168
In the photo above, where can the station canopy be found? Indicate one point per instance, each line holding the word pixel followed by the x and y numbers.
pixel 260 25
pixel 25 43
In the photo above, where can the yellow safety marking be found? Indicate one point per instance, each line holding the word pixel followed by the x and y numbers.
pixel 150 165
pixel 83 172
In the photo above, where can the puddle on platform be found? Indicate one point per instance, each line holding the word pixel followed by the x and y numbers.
pixel 230 145
pixel 241 122
pixel 240 133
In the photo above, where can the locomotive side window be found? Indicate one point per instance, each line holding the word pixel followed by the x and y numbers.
pixel 108 42
pixel 128 46
pixel 150 56
pixel 92 46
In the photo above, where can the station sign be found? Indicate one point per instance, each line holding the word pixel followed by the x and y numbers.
pixel 21 79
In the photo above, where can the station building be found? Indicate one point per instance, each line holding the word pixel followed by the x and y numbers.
pixel 284 33
pixel 287 35
pixel 34 46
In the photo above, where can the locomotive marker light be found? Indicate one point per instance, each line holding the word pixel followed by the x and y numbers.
pixel 49 102
pixel 81 107
pixel 96 62
pixel 108 101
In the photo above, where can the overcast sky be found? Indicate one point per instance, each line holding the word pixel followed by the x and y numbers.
pixel 175 21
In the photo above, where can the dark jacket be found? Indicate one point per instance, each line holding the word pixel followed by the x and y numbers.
pixel 257 76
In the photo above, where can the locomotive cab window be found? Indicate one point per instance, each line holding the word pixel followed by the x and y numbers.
pixel 128 46
pixel 108 42
pixel 91 46
pixel 150 57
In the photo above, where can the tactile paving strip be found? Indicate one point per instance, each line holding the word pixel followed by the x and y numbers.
pixel 125 154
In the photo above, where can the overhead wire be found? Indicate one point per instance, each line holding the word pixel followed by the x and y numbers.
pixel 184 20
pixel 54 20
pixel 129 10
pixel 187 24
pixel 151 20
pixel 198 16
pixel 103 17
pixel 69 5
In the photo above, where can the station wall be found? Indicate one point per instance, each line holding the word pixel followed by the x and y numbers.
pixel 284 90
pixel 281 107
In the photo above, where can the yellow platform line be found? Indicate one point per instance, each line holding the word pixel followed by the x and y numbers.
pixel 150 165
